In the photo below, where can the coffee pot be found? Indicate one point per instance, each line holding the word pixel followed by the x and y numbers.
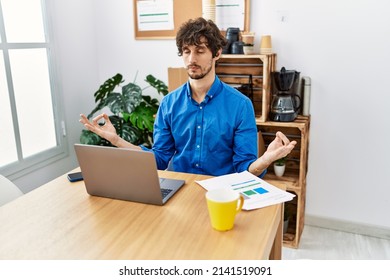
pixel 285 102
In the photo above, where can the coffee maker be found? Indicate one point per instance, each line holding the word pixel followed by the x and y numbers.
pixel 285 100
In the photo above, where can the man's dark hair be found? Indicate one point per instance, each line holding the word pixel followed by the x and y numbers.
pixel 192 31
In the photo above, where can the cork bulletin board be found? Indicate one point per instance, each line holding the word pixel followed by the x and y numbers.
pixel 183 10
pixel 178 10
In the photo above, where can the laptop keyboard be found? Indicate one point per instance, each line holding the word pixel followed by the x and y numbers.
pixel 165 192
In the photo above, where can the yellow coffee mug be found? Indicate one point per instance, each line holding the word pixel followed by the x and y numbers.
pixel 223 205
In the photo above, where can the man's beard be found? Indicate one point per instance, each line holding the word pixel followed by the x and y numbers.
pixel 203 73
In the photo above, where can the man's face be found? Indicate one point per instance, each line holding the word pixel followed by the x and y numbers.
pixel 198 60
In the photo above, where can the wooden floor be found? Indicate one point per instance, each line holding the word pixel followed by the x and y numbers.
pixel 325 244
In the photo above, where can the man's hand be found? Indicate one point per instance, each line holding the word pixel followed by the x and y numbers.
pixel 106 131
pixel 278 148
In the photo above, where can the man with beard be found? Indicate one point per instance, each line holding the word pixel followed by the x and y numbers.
pixel 205 126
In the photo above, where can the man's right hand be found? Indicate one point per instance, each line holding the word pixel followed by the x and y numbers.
pixel 106 131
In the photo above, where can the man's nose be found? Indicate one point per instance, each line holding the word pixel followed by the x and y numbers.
pixel 192 58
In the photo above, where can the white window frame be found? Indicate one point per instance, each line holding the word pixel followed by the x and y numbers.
pixel 26 165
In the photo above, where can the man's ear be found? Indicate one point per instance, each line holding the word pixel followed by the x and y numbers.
pixel 218 54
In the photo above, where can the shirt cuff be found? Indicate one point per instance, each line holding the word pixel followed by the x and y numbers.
pixel 145 149
pixel 263 173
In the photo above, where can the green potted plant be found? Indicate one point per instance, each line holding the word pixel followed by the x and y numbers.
pixel 280 166
pixel 133 112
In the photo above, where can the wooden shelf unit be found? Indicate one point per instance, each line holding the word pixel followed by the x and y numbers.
pixel 294 179
pixel 234 69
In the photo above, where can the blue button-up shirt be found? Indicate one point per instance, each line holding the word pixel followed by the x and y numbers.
pixel 216 137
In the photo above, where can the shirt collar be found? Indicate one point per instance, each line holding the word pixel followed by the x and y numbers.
pixel 213 91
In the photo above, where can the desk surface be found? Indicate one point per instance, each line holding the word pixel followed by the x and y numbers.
pixel 61 221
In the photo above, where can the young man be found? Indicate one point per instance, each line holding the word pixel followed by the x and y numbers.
pixel 204 126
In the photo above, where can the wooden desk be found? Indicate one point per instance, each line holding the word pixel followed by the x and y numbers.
pixel 61 221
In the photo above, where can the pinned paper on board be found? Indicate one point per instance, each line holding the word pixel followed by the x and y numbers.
pixel 230 13
pixel 155 15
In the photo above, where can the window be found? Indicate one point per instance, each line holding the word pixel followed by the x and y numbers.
pixel 31 129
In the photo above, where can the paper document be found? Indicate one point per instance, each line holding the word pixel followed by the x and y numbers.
pixel 230 13
pixel 155 15
pixel 257 192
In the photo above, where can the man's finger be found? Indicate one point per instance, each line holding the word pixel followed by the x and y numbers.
pixel 282 137
pixel 106 118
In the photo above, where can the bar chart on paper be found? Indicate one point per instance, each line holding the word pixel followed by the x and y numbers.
pixel 257 192
pixel 249 188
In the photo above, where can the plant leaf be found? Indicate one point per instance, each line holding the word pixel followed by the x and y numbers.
pixel 115 102
pixel 132 97
pixel 152 102
pixel 126 116
pixel 100 106
pixel 107 87
pixel 89 138
pixel 131 134
pixel 159 85
pixel 143 117
pixel 126 130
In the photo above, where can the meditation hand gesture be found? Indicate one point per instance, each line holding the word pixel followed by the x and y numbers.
pixel 106 131
pixel 278 148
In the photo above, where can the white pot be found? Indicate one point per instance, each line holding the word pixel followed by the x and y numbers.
pixel 279 170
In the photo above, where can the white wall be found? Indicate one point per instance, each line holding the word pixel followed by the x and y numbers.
pixel 342 45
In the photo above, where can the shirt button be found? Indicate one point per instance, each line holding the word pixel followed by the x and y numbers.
pixel 198 146
pixel 198 126
pixel 201 107
pixel 196 165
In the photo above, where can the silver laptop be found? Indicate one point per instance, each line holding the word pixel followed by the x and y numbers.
pixel 124 174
